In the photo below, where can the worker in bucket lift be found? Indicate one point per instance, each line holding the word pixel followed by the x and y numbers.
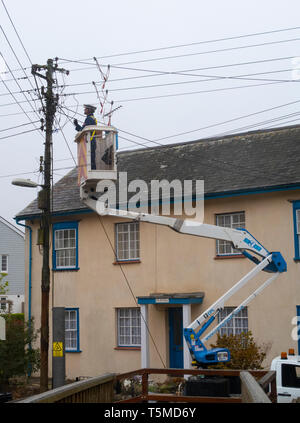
pixel 89 120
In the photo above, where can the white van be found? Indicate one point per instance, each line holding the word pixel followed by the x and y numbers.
pixel 287 367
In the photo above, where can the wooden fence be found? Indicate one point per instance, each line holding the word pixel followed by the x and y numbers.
pixel 256 386
pixel 261 382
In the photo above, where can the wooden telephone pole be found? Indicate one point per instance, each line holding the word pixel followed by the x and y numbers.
pixel 45 206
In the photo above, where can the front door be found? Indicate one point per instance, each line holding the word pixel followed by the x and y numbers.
pixel 176 338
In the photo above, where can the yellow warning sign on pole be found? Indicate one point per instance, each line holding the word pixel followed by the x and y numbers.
pixel 58 350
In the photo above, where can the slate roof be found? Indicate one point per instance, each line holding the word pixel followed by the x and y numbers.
pixel 244 162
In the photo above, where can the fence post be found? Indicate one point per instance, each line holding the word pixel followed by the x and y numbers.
pixel 145 386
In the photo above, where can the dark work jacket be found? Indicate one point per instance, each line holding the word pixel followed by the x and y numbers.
pixel 89 120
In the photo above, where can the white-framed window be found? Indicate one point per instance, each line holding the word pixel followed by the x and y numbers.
pixel 128 241
pixel 237 324
pixel 71 329
pixel 65 252
pixel 229 220
pixel 4 263
pixel 129 327
pixel 3 303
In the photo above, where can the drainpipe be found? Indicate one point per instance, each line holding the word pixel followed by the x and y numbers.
pixel 30 266
pixel 29 281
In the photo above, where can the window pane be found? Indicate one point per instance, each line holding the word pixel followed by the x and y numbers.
pixel 71 332
pixel 127 238
pixel 4 263
pixel 129 327
pixel 65 248
pixel 237 324
pixel 298 221
pixel 233 220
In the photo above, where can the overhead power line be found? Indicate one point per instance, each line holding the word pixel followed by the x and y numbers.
pixel 208 78
pixel 16 100
pixel 186 72
pixel 19 133
pixel 185 45
pixel 93 65
pixel 197 92
pixel 169 95
pixel 155 59
pixel 18 126
pixel 19 38
pixel 229 120
pixel 16 57
pixel 157 141
pixel 254 125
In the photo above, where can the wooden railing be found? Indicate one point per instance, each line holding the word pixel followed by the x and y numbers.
pixel 254 388
pixel 260 380
pixel 93 390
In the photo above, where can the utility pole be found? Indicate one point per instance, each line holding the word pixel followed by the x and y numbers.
pixel 45 205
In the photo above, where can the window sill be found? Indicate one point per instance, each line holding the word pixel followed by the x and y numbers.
pixel 128 348
pixel 126 262
pixel 75 351
pixel 232 256
pixel 71 269
pixel 297 259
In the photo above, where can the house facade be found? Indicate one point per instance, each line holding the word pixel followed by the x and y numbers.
pixel 129 287
pixel 12 266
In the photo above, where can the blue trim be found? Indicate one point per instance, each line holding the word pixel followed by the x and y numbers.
pixel 252 191
pixel 55 214
pixel 207 196
pixel 167 300
pixel 298 324
pixel 77 327
pixel 296 206
pixel 58 226
pixel 117 141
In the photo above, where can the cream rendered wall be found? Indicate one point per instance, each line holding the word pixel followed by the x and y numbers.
pixel 171 263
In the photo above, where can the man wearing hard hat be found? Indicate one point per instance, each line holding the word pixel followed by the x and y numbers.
pixel 90 120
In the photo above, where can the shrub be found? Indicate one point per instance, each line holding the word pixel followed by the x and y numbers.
pixel 245 352
pixel 17 356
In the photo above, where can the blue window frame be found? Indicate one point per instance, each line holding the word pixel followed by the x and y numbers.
pixel 72 343
pixel 298 327
pixel 296 216
pixel 65 246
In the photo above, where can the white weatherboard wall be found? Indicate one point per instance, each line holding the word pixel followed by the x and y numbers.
pixel 12 244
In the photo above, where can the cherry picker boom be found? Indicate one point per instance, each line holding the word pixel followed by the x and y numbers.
pixel 270 262
pixel 242 240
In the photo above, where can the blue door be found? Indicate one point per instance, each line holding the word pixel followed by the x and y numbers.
pixel 176 338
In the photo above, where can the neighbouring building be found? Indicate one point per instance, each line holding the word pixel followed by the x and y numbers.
pixel 12 265
pixel 108 272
